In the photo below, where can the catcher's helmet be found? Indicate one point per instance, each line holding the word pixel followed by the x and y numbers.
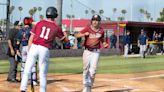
pixel 96 17
pixel 28 21
pixel 51 12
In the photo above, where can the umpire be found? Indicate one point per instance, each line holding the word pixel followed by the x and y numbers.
pixel 142 43
pixel 12 51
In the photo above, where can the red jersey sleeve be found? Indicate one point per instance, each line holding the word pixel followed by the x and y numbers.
pixel 60 34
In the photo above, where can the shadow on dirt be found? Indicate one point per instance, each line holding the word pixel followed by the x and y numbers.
pixel 120 90
pixel 52 81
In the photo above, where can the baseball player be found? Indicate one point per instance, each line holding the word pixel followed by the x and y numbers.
pixel 41 39
pixel 22 39
pixel 142 43
pixel 94 35
pixel 126 43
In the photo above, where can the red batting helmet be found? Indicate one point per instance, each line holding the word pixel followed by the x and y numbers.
pixel 28 21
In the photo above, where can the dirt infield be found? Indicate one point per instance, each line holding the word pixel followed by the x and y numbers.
pixel 136 82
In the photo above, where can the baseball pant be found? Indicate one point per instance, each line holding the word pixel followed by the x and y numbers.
pixel 143 50
pixel 90 62
pixel 13 68
pixel 126 49
pixel 24 57
pixel 43 55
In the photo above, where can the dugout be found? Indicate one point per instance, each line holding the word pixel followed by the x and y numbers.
pixel 134 27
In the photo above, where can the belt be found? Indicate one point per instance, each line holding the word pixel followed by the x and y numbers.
pixel 91 49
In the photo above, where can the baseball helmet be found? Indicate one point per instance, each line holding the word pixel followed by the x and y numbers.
pixel 51 12
pixel 96 17
pixel 28 21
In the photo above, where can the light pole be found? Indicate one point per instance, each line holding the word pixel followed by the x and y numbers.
pixel 154 10
pixel 131 10
pixel 8 17
pixel 71 18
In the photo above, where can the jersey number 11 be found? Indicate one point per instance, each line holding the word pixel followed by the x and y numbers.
pixel 43 34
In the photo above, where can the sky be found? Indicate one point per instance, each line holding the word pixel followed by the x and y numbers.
pixel 79 7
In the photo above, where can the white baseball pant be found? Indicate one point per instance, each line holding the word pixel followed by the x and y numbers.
pixel 126 49
pixel 43 55
pixel 24 53
pixel 142 50
pixel 90 62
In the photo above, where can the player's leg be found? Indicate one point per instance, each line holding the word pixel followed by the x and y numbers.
pixel 43 67
pixel 125 50
pixel 86 65
pixel 144 50
pixel 141 50
pixel 86 75
pixel 24 57
pixel 31 59
pixel 93 66
pixel 34 74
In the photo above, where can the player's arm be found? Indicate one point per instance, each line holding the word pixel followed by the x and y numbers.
pixel 104 41
pixel 10 44
pixel 79 35
pixel 82 33
pixel 65 37
pixel 18 43
pixel 17 48
pixel 30 41
pixel 138 43
pixel 11 47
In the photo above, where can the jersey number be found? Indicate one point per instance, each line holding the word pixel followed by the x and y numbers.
pixel 43 35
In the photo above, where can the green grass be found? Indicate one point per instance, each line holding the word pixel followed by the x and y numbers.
pixel 107 64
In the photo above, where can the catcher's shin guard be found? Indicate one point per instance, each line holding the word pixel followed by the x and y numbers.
pixel 22 70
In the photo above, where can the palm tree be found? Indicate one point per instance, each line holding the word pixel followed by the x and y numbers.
pixel 107 18
pixel 73 16
pixel 142 12
pixel 101 11
pixel 41 17
pixel 148 16
pixel 86 12
pixel 114 12
pixel 20 10
pixel 39 9
pixel 123 11
pixel 121 18
pixel 151 19
pixel 93 12
pixel 35 10
pixel 68 16
pixel 31 12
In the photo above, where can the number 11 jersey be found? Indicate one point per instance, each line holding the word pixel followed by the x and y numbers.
pixel 45 32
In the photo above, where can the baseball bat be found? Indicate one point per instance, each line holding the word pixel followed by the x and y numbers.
pixel 32 85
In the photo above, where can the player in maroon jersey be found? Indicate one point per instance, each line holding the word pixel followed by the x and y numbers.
pixel 94 36
pixel 41 40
